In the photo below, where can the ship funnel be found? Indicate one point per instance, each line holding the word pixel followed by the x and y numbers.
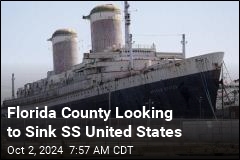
pixel 65 50
pixel 106 29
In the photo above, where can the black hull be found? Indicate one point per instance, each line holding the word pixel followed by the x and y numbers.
pixel 191 96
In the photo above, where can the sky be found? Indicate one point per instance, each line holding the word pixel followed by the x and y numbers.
pixel 26 26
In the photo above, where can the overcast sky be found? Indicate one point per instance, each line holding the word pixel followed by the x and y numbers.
pixel 26 26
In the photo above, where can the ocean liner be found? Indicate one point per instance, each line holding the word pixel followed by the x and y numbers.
pixel 114 74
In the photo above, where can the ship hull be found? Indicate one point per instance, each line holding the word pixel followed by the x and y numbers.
pixel 191 96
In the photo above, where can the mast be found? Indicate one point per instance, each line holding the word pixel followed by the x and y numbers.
pixel 128 36
pixel 222 93
pixel 13 95
pixel 183 45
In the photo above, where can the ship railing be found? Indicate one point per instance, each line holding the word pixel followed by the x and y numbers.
pixel 140 48
pixel 53 93
pixel 34 98
pixel 8 98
